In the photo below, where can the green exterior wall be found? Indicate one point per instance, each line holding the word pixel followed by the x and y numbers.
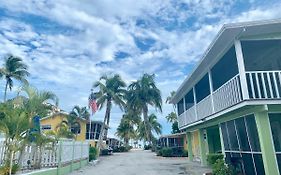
pixel 189 146
pixel 61 171
pixel 202 145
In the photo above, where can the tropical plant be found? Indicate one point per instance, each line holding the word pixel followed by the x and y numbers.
pixel 74 116
pixel 62 131
pixel 14 123
pixel 36 102
pixel 111 90
pixel 126 130
pixel 169 98
pixel 14 68
pixel 141 94
pixel 154 125
pixel 172 117
pixel 80 112
pixel 175 128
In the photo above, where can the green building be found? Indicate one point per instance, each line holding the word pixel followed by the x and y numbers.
pixel 231 102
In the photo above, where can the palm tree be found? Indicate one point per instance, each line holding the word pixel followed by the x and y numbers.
pixel 172 117
pixel 155 128
pixel 74 116
pixel 169 98
pixel 14 68
pixel 14 124
pixel 111 90
pixel 141 94
pixel 126 130
pixel 79 112
pixel 37 102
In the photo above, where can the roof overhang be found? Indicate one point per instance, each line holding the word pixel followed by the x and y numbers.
pixel 222 42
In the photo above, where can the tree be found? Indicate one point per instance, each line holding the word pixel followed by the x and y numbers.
pixel 14 124
pixel 36 102
pixel 169 98
pixel 111 90
pixel 172 117
pixel 74 116
pixel 126 130
pixel 155 128
pixel 175 128
pixel 79 112
pixel 14 68
pixel 141 94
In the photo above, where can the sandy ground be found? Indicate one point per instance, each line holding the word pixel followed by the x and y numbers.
pixel 139 162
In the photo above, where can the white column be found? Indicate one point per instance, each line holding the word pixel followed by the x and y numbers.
pixel 211 90
pixel 195 102
pixel 241 68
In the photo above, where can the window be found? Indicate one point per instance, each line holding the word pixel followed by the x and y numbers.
pixel 180 107
pixel 262 55
pixel 75 128
pixel 275 122
pixel 242 134
pixel 253 133
pixel 46 127
pixel 225 69
pixel 232 136
pixel 242 147
pixel 202 88
pixel 189 100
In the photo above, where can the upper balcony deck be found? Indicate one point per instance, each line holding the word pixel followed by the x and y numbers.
pixel 248 69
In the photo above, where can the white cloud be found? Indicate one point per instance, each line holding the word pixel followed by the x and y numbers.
pixel 67 61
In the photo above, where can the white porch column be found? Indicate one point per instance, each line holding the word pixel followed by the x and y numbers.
pixel 195 102
pixel 211 90
pixel 241 68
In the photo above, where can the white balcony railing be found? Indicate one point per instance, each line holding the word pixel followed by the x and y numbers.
pixel 204 108
pixel 264 84
pixel 228 94
pixel 261 85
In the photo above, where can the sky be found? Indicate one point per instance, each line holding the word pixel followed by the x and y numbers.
pixel 69 44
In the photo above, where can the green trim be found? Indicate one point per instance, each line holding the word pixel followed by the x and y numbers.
pixel 63 170
pixel 202 147
pixel 189 146
pixel 228 116
pixel 266 143
pixel 222 143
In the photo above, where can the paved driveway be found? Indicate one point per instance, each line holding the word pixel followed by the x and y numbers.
pixel 139 162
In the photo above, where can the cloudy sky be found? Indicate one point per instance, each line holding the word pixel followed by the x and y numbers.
pixel 68 44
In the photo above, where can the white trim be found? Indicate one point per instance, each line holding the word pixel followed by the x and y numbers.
pixel 241 68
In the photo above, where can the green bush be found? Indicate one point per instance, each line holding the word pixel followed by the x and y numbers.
pixel 220 168
pixel 167 152
pixel 93 153
pixel 212 158
pixel 104 152
pixel 185 153
pixel 147 147
pixel 4 170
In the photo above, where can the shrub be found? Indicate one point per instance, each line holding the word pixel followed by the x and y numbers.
pixel 104 152
pixel 185 153
pixel 167 152
pixel 123 148
pixel 220 168
pixel 147 147
pixel 4 170
pixel 212 158
pixel 92 153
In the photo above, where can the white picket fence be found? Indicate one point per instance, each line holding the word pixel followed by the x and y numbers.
pixel 63 152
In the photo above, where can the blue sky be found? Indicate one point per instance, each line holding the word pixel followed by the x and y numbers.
pixel 69 44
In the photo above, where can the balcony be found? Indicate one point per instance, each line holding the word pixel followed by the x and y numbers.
pixel 261 85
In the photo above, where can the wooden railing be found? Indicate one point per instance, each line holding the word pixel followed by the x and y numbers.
pixel 264 84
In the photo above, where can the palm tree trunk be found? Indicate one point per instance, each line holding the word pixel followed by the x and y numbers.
pixel 146 125
pixel 106 118
pixel 5 92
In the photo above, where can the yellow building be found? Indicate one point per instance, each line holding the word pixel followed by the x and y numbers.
pixel 53 121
